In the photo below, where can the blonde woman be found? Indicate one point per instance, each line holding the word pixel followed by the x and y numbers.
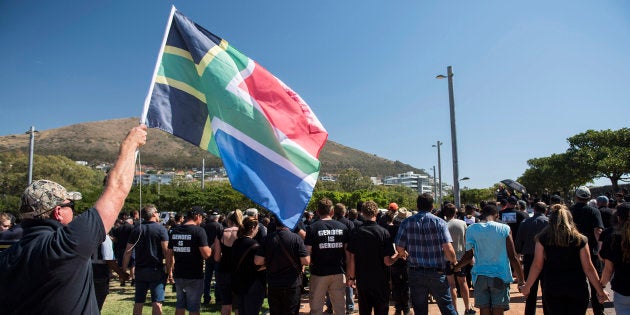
pixel 562 255
pixel 222 249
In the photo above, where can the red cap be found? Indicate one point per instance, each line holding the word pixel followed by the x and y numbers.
pixel 393 206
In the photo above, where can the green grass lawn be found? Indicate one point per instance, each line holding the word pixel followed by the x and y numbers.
pixel 120 301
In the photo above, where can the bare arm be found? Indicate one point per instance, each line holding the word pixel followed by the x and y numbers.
pixel 259 260
pixel 305 261
pixel 205 251
pixel 449 252
pixel 114 266
pixel 591 273
pixel 598 232
pixel 120 177
pixel 465 260
pixel 390 260
pixel 609 269
pixel 536 268
pixel 127 256
pixel 170 264
pixel 402 253
pixel 217 250
pixel 350 270
pixel 514 262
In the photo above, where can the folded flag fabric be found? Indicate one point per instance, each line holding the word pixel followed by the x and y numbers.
pixel 211 95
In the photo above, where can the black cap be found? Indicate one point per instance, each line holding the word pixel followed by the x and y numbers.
pixel 196 210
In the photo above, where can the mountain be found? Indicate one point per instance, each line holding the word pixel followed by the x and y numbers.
pixel 97 142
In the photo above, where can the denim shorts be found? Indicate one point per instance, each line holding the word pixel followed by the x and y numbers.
pixel 491 292
pixel 152 279
pixel 189 294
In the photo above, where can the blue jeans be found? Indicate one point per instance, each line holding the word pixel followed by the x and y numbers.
pixel 622 303
pixel 423 282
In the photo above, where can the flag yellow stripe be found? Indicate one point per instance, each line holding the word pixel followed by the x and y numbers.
pixel 207 135
pixel 181 86
pixel 207 59
pixel 178 51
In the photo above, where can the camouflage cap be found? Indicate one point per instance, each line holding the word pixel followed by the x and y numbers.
pixel 43 195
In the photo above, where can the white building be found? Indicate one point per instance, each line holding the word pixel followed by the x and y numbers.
pixel 417 182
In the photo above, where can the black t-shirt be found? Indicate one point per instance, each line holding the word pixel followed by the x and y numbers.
pixel 562 272
pixel 607 216
pixel 148 238
pixel 327 239
pixel 49 269
pixel 370 243
pixel 611 250
pixel 586 219
pixel 213 229
pixel 283 272
pixel 245 271
pixel 185 241
pixel 121 233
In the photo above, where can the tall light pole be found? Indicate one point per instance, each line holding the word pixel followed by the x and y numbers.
pixel 434 182
pixel 437 145
pixel 32 132
pixel 451 100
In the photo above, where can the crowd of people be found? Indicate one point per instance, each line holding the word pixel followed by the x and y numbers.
pixel 54 262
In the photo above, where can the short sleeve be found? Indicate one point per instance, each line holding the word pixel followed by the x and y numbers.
pixel 163 234
pixel 84 233
pixel 203 238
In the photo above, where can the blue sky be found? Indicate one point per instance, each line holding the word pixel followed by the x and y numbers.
pixel 527 75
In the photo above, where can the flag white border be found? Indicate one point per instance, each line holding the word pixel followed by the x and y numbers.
pixel 147 100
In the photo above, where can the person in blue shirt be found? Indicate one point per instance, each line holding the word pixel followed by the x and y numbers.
pixel 491 245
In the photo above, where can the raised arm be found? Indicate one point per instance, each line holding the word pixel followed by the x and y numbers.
pixel 120 177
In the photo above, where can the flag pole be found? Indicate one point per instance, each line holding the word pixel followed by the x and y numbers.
pixel 147 100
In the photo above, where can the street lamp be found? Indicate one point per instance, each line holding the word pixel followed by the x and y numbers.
pixel 437 145
pixel 451 99
pixel 32 132
pixel 434 183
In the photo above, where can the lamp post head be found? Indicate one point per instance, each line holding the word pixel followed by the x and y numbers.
pixel 465 178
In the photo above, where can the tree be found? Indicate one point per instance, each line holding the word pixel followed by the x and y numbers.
pixel 605 152
pixel 558 172
pixel 351 180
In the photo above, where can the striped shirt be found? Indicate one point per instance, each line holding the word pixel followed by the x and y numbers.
pixel 422 236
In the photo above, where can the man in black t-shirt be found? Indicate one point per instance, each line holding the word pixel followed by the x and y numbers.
pixel 150 242
pixel 213 229
pixel 187 250
pixel 283 253
pixel 121 237
pixel 49 269
pixel 326 241
pixel 371 252
pixel 588 221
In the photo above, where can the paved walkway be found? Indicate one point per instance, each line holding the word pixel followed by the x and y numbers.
pixel 517 304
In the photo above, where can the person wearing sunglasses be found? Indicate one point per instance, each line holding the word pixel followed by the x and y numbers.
pixel 49 270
